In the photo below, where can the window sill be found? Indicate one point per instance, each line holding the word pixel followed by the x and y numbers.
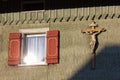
pixel 36 64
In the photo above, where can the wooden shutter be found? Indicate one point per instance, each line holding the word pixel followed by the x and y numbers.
pixel 14 49
pixel 52 46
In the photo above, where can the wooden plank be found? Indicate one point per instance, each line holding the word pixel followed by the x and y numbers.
pixel 16 17
pixel 33 16
pixel 104 12
pixel 47 15
pixel 10 18
pixel 86 11
pixel 92 13
pixel 98 12
pixel 111 12
pixel 40 16
pixel 23 17
pixel 117 11
pixel 53 15
pixel 60 15
pixel 67 14
pixel 80 13
pixel 4 18
pixel 74 14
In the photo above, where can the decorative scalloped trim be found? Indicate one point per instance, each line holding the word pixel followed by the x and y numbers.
pixel 61 15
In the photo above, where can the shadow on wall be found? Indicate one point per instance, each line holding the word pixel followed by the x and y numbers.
pixel 107 66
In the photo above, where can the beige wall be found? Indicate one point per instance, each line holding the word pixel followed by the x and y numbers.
pixel 74 53
pixel 74 50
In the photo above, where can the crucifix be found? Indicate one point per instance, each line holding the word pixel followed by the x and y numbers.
pixel 93 31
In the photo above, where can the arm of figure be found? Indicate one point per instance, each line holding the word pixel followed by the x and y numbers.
pixel 87 31
pixel 100 30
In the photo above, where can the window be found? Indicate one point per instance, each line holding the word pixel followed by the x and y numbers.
pixel 7 6
pixel 28 5
pixel 33 48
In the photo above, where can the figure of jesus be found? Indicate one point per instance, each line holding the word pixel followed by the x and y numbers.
pixel 93 42
pixel 93 30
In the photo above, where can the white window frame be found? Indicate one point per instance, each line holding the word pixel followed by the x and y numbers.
pixel 32 32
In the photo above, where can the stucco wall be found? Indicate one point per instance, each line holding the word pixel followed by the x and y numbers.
pixel 74 53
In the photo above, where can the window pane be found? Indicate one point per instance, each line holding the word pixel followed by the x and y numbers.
pixel 35 46
pixel 41 48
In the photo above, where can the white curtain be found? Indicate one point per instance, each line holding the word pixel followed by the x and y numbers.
pixel 35 49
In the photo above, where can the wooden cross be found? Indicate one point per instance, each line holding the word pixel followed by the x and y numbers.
pixel 93 30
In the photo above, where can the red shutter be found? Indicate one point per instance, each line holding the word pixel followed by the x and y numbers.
pixel 14 49
pixel 52 46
